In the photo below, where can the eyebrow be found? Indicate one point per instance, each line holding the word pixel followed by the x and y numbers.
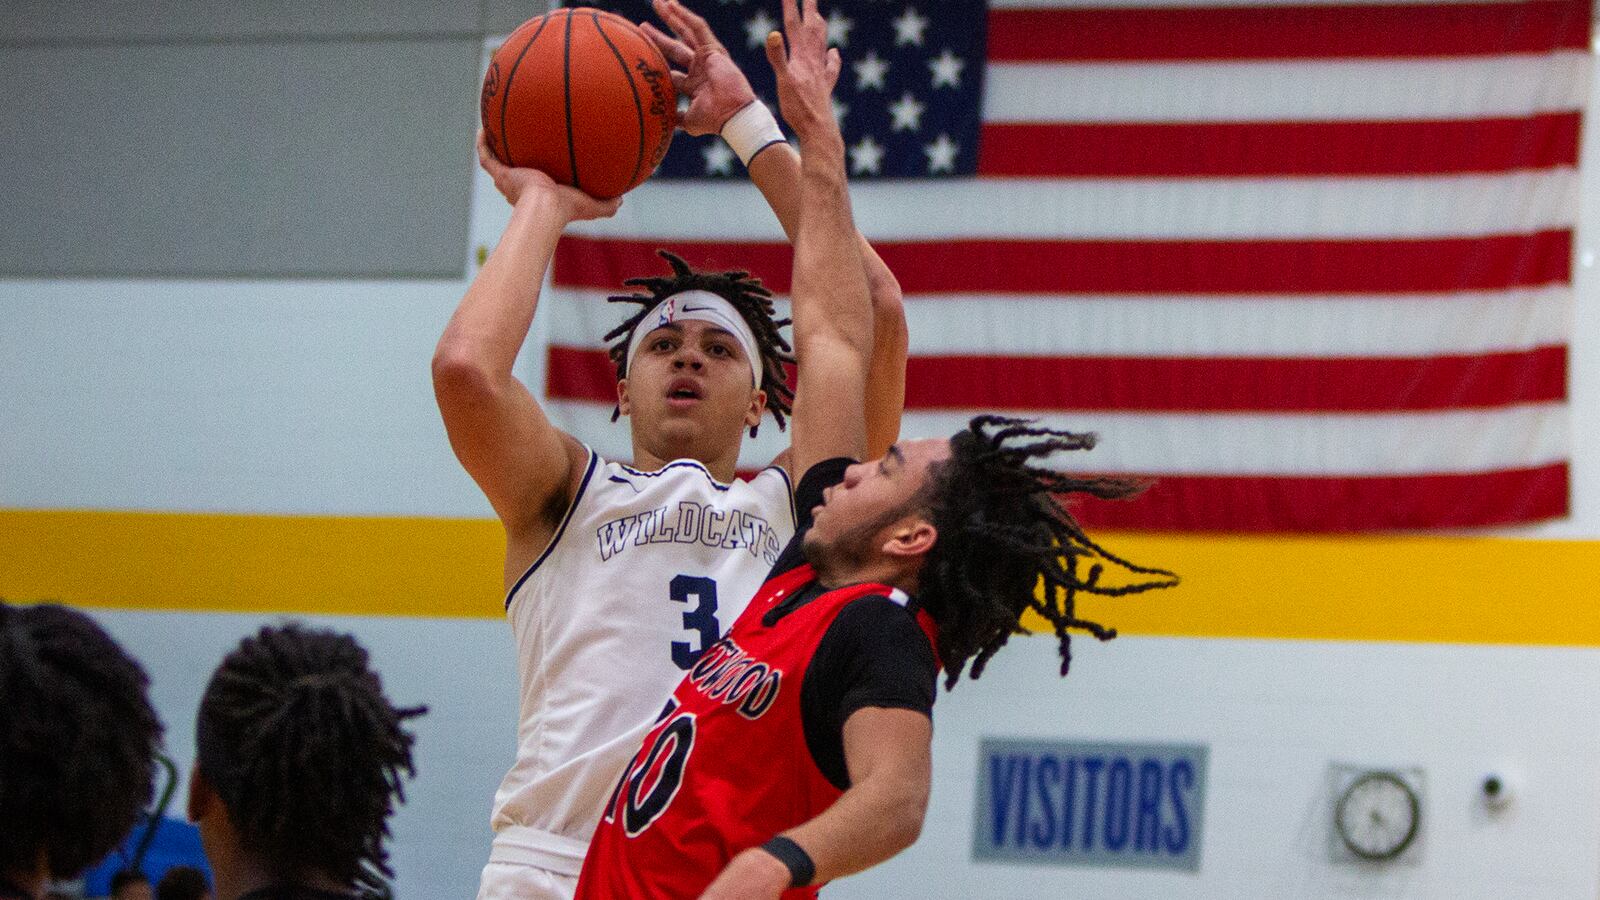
pixel 719 332
pixel 711 330
pixel 895 454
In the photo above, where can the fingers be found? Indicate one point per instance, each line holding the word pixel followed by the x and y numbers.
pixel 596 208
pixel 680 81
pixel 775 55
pixel 676 51
pixel 670 13
pixel 694 23
pixel 791 17
pixel 835 63
pixel 486 157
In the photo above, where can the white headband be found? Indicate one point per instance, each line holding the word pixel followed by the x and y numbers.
pixel 703 306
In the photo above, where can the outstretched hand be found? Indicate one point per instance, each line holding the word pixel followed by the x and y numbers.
pixel 515 183
pixel 807 70
pixel 709 78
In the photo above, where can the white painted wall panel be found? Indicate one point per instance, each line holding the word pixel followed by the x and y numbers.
pixel 1274 713
pixel 281 397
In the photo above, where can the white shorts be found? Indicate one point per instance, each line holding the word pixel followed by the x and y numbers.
pixel 509 881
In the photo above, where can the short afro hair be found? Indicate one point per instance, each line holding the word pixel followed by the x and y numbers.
pixel 78 739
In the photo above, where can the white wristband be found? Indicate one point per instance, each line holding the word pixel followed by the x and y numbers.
pixel 751 130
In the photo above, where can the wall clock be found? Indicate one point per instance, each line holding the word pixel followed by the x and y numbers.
pixel 1377 816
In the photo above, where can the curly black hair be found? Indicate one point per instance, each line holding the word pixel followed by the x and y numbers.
pixel 125 877
pixel 306 753
pixel 747 294
pixel 78 739
pixel 1006 545
pixel 182 883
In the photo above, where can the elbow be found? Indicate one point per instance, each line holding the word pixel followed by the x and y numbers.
pixel 458 373
pixel 905 824
pixel 889 327
pixel 906 833
pixel 888 301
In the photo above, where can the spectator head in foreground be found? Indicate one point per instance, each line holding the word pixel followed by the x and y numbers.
pixel 183 883
pixel 77 745
pixel 299 764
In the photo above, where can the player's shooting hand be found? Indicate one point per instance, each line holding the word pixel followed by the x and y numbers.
pixel 754 874
pixel 806 72
pixel 709 78
pixel 515 184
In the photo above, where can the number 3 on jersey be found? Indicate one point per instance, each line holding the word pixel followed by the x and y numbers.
pixel 701 596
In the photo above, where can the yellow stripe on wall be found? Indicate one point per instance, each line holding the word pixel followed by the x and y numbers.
pixel 239 563
pixel 1437 589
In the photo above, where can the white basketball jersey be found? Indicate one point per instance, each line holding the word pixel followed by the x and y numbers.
pixel 645 572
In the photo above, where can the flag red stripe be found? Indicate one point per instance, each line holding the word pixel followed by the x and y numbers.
pixel 1271 267
pixel 1189 385
pixel 1305 32
pixel 1246 149
pixel 1236 385
pixel 1204 503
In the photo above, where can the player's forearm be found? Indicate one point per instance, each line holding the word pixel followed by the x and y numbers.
pixel 869 823
pixel 831 296
pixel 775 172
pixel 886 377
pixel 490 325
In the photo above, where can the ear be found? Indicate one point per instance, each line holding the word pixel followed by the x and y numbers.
pixel 911 537
pixel 202 798
pixel 758 403
pixel 623 406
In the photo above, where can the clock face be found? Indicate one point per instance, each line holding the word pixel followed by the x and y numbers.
pixel 1377 816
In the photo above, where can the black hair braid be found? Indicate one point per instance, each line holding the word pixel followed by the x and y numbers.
pixel 78 739
pixel 747 294
pixel 306 753
pixel 1006 545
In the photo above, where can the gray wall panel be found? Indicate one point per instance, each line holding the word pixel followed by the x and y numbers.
pixel 500 16
pixel 342 158
pixel 125 21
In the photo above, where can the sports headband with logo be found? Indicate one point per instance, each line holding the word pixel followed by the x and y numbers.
pixel 702 306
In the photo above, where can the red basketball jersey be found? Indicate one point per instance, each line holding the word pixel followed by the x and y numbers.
pixel 727 766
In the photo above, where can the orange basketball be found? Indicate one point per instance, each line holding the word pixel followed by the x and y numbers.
pixel 583 96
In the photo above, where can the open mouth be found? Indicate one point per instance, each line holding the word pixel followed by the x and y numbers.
pixel 683 390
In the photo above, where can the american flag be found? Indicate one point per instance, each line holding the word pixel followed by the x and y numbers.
pixel 1309 266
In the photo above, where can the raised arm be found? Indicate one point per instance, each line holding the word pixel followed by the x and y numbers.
pixel 832 313
pixel 518 458
pixel 776 171
pixel 718 90
pixel 888 753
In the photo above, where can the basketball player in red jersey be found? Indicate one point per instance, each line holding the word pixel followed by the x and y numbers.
pixel 797 749
pixel 620 573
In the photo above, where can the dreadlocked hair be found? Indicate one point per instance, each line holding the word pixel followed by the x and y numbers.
pixel 746 293
pixel 1006 545
pixel 299 742
pixel 78 739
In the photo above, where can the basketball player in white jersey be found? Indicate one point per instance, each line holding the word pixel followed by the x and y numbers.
pixel 618 576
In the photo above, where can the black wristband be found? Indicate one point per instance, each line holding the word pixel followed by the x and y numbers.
pixel 801 869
